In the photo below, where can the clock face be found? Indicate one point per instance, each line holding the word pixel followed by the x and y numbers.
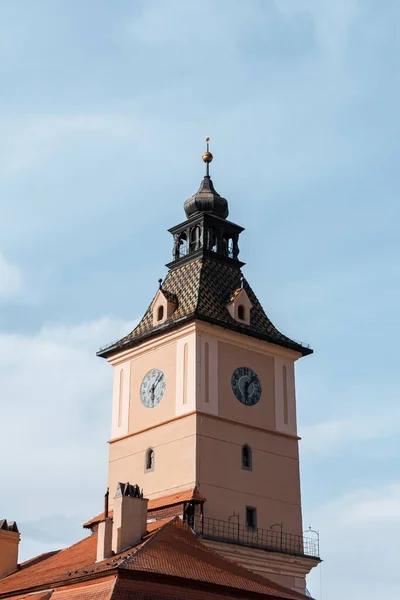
pixel 246 386
pixel 153 388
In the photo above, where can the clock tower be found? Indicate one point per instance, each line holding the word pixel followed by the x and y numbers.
pixel 204 399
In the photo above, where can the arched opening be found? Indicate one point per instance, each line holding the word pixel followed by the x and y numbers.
pixel 160 313
pixel 246 458
pixel 230 248
pixel 212 240
pixel 195 238
pixel 149 465
pixel 228 245
pixel 182 245
pixel 241 312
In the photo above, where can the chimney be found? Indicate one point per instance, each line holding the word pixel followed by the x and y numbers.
pixel 104 534
pixel 104 539
pixel 9 542
pixel 130 517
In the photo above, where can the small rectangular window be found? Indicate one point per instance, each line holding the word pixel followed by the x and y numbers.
pixel 251 517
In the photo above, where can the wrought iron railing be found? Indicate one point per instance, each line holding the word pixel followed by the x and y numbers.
pixel 273 540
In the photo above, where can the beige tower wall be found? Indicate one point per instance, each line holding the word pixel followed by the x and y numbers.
pixel 168 428
pixel 198 429
pixel 273 485
pixel 174 445
pixel 160 356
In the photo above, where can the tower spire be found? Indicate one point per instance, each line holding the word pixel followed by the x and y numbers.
pixel 207 199
pixel 207 157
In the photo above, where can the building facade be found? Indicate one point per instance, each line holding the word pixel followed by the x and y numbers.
pixel 204 399
pixel 204 462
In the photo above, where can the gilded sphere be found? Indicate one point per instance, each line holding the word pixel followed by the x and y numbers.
pixel 207 157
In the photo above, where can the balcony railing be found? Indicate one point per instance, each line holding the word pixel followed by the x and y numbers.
pixel 273 540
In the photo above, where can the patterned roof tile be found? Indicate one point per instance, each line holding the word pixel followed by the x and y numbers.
pixel 202 287
pixel 169 296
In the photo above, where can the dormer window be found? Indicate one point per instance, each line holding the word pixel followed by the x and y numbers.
pixel 163 306
pixel 239 306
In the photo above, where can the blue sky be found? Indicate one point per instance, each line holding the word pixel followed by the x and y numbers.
pixel 103 111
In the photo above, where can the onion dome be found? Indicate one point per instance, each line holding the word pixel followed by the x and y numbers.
pixel 206 199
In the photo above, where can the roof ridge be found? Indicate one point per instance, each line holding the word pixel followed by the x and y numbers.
pixel 144 544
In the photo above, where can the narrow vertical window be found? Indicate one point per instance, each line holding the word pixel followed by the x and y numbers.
pixel 251 517
pixel 185 360
pixel 230 248
pixel 121 396
pixel 195 238
pixel 149 464
pixel 182 245
pixel 206 373
pixel 241 312
pixel 212 240
pixel 160 313
pixel 285 396
pixel 246 458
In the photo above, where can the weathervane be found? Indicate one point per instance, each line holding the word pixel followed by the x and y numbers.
pixel 207 157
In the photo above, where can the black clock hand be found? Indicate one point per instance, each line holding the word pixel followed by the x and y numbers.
pixel 153 387
pixel 246 390
pixel 152 393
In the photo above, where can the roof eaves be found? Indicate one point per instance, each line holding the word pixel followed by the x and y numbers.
pixel 248 330
pixel 59 583
pixel 208 587
pixel 172 324
pixel 129 343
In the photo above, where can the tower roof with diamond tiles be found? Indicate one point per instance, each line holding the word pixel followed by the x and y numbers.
pixel 205 275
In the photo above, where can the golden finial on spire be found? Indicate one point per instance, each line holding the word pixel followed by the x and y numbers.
pixel 207 156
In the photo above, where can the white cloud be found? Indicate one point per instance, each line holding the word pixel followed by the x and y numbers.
pixel 29 141
pixel 359 545
pixel 11 281
pixel 55 398
pixel 330 437
pixel 332 20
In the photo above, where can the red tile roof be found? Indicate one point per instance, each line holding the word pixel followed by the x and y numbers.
pixel 100 589
pixel 64 565
pixel 35 596
pixel 170 549
pixel 174 550
pixel 191 495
